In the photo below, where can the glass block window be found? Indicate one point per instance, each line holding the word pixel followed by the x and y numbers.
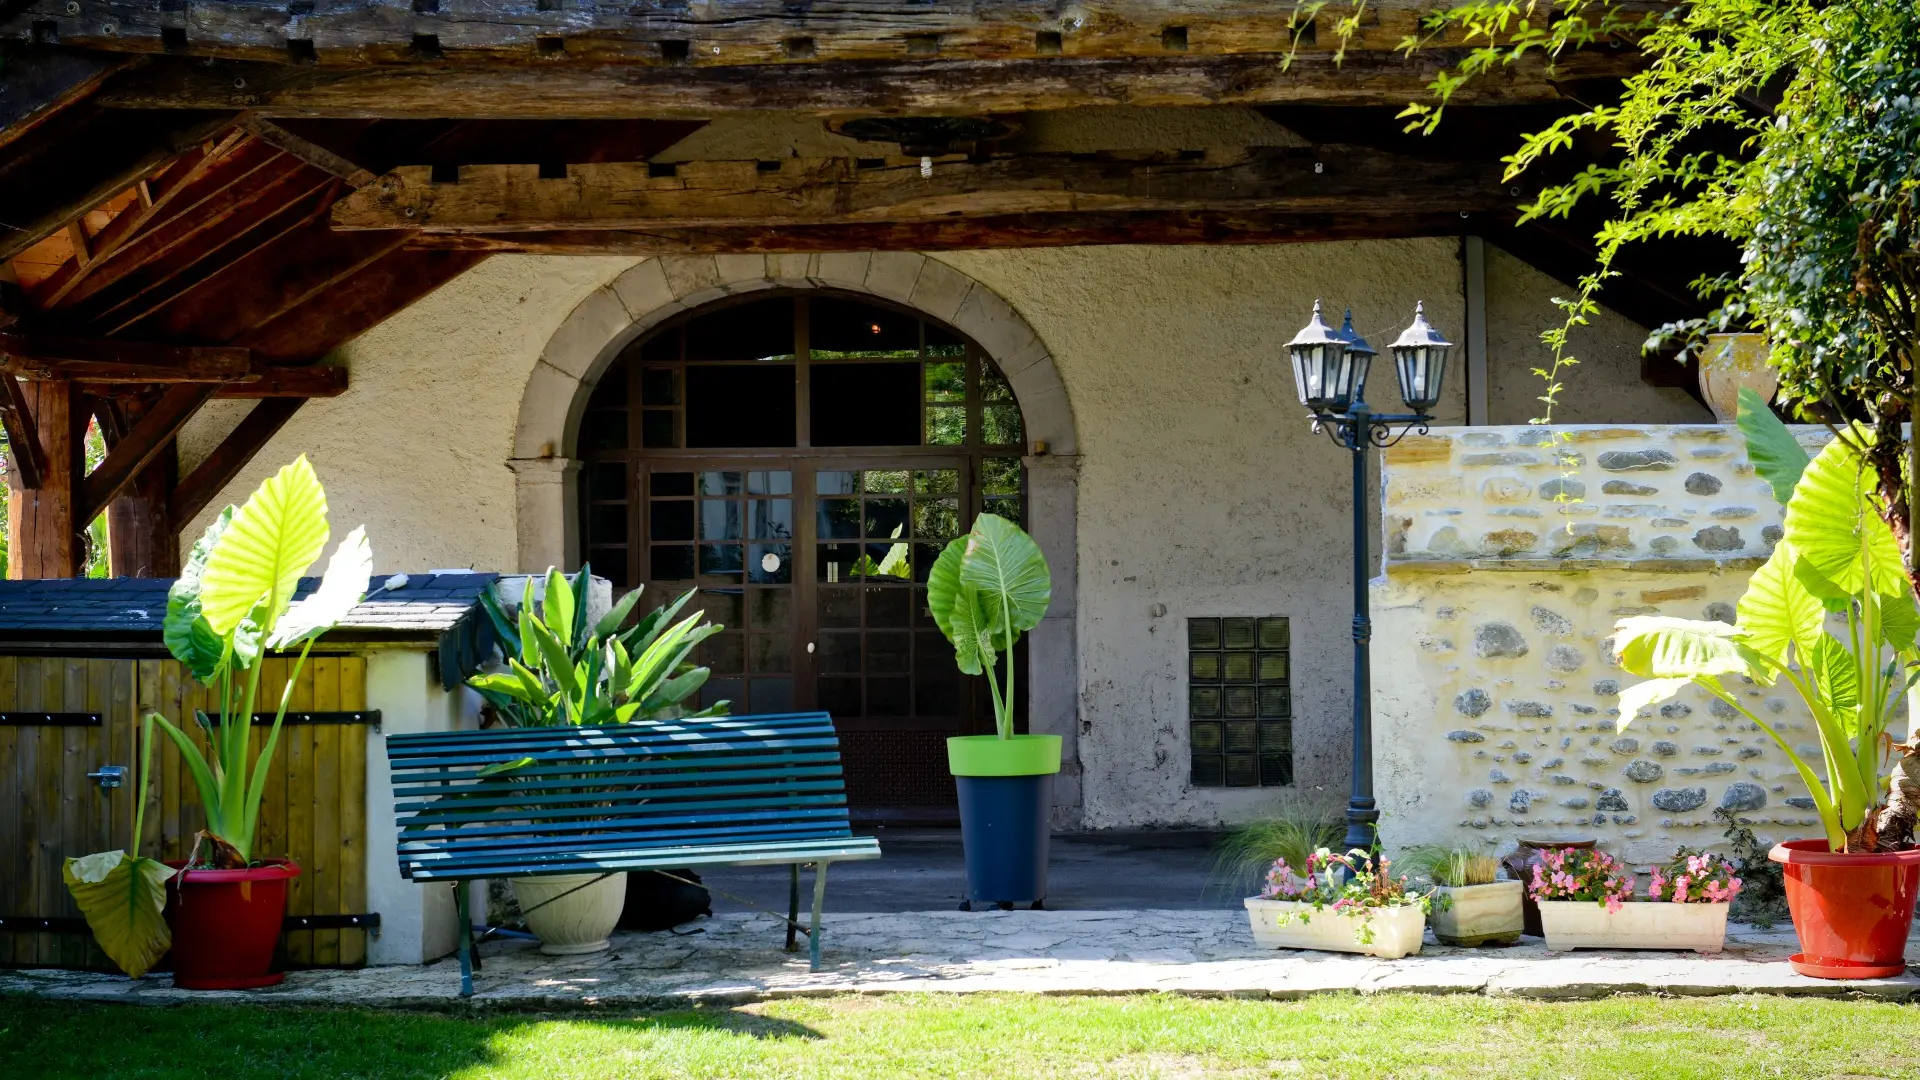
pixel 1239 702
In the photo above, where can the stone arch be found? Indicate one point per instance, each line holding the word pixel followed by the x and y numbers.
pixel 609 319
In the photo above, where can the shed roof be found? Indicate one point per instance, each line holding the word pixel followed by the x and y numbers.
pixel 133 609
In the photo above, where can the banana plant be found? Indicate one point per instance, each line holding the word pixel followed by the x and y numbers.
pixel 1830 614
pixel 985 590
pixel 560 672
pixel 232 603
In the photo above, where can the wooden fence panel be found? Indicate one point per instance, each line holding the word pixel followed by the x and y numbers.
pixel 49 809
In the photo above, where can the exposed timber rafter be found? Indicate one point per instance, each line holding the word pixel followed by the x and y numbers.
pixel 218 468
pixel 29 458
pixel 808 191
pixel 41 82
pixel 931 87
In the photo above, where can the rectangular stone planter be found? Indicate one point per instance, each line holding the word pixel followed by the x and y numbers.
pixel 1583 924
pixel 1477 914
pixel 1396 931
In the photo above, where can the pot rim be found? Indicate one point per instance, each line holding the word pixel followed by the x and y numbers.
pixel 1815 853
pixel 268 870
pixel 1639 902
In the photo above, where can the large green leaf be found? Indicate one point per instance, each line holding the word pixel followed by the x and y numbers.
pixel 1833 665
pixel 124 898
pixel 973 640
pixel 1831 525
pixel 1006 566
pixel 1776 455
pixel 943 585
pixel 185 630
pixel 1778 610
pixel 556 607
pixel 1899 620
pixel 1658 647
pixel 342 587
pixel 1643 695
pixel 273 539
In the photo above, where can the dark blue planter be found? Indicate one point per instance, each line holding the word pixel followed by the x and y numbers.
pixel 1003 827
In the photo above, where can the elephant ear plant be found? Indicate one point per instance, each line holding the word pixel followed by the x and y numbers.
pixel 560 671
pixel 231 604
pixel 1832 615
pixel 985 590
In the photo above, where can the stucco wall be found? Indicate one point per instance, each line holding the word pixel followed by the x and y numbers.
pixel 1603 388
pixel 1202 490
pixel 1494 709
pixel 416 449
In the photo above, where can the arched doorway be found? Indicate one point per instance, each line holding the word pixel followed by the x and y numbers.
pixel 799 458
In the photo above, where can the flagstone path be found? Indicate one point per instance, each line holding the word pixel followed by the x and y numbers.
pixel 737 958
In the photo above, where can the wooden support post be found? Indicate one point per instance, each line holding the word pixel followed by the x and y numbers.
pixel 43 536
pixel 141 539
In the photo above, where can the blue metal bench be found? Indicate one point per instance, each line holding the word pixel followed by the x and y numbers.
pixel 729 791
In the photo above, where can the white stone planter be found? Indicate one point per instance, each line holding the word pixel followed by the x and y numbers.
pixel 1396 930
pixel 577 921
pixel 1583 924
pixel 1477 914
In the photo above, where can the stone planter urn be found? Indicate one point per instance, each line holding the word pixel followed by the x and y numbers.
pixel 1478 914
pixel 1584 924
pixel 571 913
pixel 1390 932
pixel 1729 362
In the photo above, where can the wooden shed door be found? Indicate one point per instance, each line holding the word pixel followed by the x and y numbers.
pixel 314 808
pixel 60 718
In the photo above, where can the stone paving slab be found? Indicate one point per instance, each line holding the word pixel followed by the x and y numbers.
pixel 737 958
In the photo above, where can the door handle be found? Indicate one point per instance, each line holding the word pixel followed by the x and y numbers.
pixel 809 648
pixel 109 776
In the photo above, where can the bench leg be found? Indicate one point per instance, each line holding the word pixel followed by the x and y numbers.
pixel 793 904
pixel 819 899
pixel 466 938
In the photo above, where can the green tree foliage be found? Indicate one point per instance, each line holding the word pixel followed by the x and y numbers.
pixel 1790 127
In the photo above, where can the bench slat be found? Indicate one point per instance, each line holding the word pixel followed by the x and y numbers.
pixel 614 802
pixel 680 752
pixel 639 766
pixel 679 836
pixel 613 861
pixel 525 781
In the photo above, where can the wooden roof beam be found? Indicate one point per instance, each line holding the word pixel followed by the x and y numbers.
pixel 933 86
pixel 808 191
pixel 968 234
pixel 41 81
pixel 735 33
pixel 28 457
pixel 40 358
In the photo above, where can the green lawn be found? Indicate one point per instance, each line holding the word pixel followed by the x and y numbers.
pixel 996 1036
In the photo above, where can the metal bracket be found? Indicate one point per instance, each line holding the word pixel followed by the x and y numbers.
pixel 33 924
pixel 50 719
pixel 265 719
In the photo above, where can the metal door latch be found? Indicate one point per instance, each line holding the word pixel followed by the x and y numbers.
pixel 109 776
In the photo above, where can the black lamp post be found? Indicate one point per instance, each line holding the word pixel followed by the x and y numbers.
pixel 1330 371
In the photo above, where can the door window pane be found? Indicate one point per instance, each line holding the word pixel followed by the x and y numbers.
pixel 850 328
pixel 761 330
pixel 866 404
pixel 741 405
pixel 671 519
pixel 670 483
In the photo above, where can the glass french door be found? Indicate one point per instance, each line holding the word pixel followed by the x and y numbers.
pixel 817 568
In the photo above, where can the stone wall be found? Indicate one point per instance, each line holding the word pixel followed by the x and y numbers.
pixel 1510 554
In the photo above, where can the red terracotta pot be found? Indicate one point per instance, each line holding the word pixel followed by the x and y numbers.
pixel 226 924
pixel 1851 910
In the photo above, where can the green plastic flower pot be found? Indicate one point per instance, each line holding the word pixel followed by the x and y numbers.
pixel 1006 796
